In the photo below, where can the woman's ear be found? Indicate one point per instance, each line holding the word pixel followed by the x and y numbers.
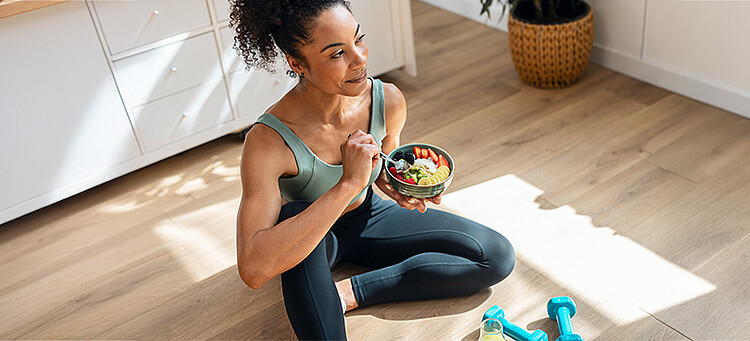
pixel 295 65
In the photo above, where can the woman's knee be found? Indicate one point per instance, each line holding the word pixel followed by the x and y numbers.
pixel 499 256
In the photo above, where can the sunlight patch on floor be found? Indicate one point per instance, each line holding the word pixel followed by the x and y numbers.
pixel 160 189
pixel 449 326
pixel 220 169
pixel 615 274
pixel 191 186
pixel 163 187
pixel 228 174
pixel 203 244
pixel 128 206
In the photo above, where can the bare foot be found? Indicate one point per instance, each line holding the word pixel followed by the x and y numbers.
pixel 344 287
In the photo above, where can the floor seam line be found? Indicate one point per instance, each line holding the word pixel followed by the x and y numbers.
pixel 664 323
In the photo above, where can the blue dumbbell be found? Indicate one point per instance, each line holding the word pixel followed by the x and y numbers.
pixel 510 329
pixel 562 309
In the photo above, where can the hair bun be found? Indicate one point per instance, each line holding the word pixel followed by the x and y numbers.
pixel 264 29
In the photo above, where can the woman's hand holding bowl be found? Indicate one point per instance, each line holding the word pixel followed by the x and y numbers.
pixel 406 202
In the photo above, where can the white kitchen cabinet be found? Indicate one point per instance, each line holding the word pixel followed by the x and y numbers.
pixel 221 8
pixel 381 20
pixel 63 126
pixel 128 24
pixel 182 115
pixel 254 91
pixel 168 69
pixel 230 60
pixel 93 90
pixel 378 19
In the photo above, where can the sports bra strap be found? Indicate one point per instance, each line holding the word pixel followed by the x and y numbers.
pixel 377 125
pixel 299 149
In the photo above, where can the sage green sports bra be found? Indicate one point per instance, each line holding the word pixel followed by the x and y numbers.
pixel 315 176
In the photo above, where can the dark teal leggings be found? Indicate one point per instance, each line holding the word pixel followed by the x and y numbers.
pixel 415 256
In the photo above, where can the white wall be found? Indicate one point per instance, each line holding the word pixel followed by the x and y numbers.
pixel 697 48
pixel 710 38
pixel 618 25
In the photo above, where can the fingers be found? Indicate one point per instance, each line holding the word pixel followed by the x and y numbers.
pixel 360 136
pixel 353 138
pixel 357 134
pixel 389 187
pixel 413 203
pixel 436 199
pixel 421 207
pixel 373 152
pixel 367 144
pixel 404 201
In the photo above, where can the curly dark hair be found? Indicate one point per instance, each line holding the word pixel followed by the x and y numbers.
pixel 262 25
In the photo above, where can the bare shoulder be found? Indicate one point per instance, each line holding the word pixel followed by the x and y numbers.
pixel 395 106
pixel 394 98
pixel 265 152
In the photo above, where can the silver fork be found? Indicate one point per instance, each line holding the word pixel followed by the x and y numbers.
pixel 400 164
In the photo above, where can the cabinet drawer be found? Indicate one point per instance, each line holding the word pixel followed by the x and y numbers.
pixel 181 115
pixel 255 91
pixel 229 57
pixel 232 61
pixel 168 69
pixel 221 7
pixel 127 24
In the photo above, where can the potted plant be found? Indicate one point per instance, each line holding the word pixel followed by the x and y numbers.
pixel 550 40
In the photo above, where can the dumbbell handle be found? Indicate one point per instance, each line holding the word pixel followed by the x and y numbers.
pixel 512 330
pixel 563 321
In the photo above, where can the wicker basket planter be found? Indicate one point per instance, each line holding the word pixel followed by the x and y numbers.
pixel 551 55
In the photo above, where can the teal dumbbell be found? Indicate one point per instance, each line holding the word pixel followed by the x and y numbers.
pixel 562 309
pixel 510 329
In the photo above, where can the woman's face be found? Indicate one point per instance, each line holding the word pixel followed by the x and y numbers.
pixel 336 58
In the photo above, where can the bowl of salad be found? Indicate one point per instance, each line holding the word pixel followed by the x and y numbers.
pixel 427 172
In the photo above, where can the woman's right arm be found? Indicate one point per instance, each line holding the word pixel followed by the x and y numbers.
pixel 266 249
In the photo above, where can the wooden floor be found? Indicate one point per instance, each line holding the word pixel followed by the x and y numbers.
pixel 628 198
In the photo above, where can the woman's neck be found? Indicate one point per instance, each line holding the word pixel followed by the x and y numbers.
pixel 324 107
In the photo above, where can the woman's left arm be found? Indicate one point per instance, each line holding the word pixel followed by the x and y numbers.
pixel 395 118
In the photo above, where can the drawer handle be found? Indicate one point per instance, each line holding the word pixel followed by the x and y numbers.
pixel 184 115
pixel 173 69
pixel 156 12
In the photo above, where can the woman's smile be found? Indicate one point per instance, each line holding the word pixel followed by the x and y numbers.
pixel 359 79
